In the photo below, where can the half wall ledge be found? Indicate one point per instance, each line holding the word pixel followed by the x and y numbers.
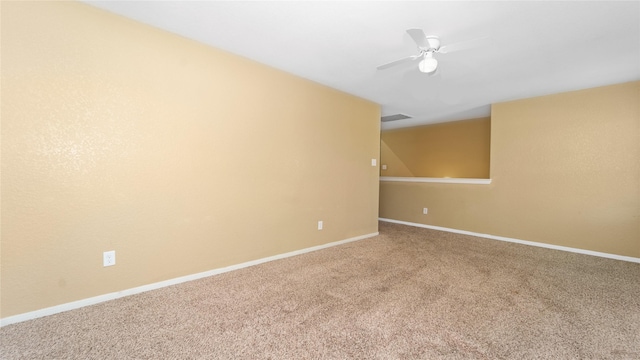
pixel 437 180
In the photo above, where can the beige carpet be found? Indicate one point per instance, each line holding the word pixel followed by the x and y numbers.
pixel 409 293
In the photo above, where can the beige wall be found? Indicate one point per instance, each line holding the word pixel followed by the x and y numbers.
pixel 457 149
pixel 180 157
pixel 394 165
pixel 565 171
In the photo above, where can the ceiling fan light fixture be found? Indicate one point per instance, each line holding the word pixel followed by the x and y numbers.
pixel 429 64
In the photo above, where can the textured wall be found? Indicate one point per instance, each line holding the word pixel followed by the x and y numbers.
pixel 182 158
pixel 565 171
pixel 456 149
pixel 394 165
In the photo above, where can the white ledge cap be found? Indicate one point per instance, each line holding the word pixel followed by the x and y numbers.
pixel 437 180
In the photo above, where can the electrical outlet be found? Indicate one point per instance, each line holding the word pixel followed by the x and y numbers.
pixel 109 258
pixel 384 167
pixel 320 225
pixel 425 210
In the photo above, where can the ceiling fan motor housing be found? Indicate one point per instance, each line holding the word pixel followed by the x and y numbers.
pixel 434 43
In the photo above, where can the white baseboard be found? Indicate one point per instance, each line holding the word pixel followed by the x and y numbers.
pixel 115 295
pixel 524 242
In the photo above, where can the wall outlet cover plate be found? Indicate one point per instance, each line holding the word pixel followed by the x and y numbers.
pixel 109 258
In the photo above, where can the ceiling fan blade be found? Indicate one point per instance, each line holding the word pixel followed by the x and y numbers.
pixel 398 62
pixel 463 45
pixel 419 37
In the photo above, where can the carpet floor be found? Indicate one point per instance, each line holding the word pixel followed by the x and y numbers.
pixel 409 293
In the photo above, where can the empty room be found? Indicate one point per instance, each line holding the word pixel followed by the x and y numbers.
pixel 320 180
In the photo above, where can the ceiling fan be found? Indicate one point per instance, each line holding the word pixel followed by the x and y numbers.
pixel 428 46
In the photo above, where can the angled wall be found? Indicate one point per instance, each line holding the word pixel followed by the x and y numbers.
pixel 457 149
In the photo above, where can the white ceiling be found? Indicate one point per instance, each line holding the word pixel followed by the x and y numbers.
pixel 528 48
